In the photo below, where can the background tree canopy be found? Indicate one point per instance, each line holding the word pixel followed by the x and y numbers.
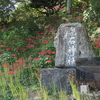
pixel 49 6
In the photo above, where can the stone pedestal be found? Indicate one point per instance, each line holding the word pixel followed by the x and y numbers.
pixel 57 78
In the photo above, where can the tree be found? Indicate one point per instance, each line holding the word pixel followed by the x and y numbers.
pixel 48 6
pixel 69 3
pixel 6 6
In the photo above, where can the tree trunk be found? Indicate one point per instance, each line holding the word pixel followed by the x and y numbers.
pixel 69 3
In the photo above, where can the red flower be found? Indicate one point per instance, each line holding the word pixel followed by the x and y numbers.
pixel 29 58
pixel 96 47
pixel 29 46
pixel 49 61
pixel 37 69
pixel 97 43
pixel 37 75
pixel 5 64
pixel 21 63
pixel 53 52
pixel 8 48
pixel 36 58
pixel 41 53
pixel 48 56
pixel 13 55
pixel 98 38
pixel 11 72
pixel 45 41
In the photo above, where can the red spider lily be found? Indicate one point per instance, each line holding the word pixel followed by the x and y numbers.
pixel 37 75
pixel 9 66
pixel 5 64
pixel 21 69
pixel 8 49
pixel 14 68
pixel 49 61
pixel 22 49
pixel 21 63
pixel 30 58
pixel 36 58
pixel 96 47
pixel 48 30
pixel 49 56
pixel 13 55
pixel 40 36
pixel 45 41
pixel 30 40
pixel 52 52
pixel 11 72
pixel 42 53
pixel 97 43
pixel 46 51
pixel 37 38
pixel 37 69
pixel 98 39
pixel 30 46
pixel 16 65
pixel 20 59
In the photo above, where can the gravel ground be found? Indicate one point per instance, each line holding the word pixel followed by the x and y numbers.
pixel 94 96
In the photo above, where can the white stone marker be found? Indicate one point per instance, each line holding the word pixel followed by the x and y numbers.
pixel 84 89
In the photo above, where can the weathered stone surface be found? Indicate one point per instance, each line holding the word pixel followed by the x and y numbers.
pixel 90 64
pixel 71 42
pixel 82 74
pixel 58 77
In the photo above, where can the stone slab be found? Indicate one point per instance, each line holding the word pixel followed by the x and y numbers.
pixel 93 61
pixel 93 69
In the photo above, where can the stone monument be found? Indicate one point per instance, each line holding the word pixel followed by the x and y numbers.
pixel 71 43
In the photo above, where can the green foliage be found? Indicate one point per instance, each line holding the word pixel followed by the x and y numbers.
pixel 92 13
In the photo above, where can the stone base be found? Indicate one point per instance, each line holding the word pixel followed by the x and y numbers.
pixel 57 78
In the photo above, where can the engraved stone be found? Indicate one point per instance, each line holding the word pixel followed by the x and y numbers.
pixel 71 42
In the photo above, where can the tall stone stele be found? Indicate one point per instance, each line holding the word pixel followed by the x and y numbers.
pixel 71 42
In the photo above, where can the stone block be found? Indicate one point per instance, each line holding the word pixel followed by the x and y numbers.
pixel 58 77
